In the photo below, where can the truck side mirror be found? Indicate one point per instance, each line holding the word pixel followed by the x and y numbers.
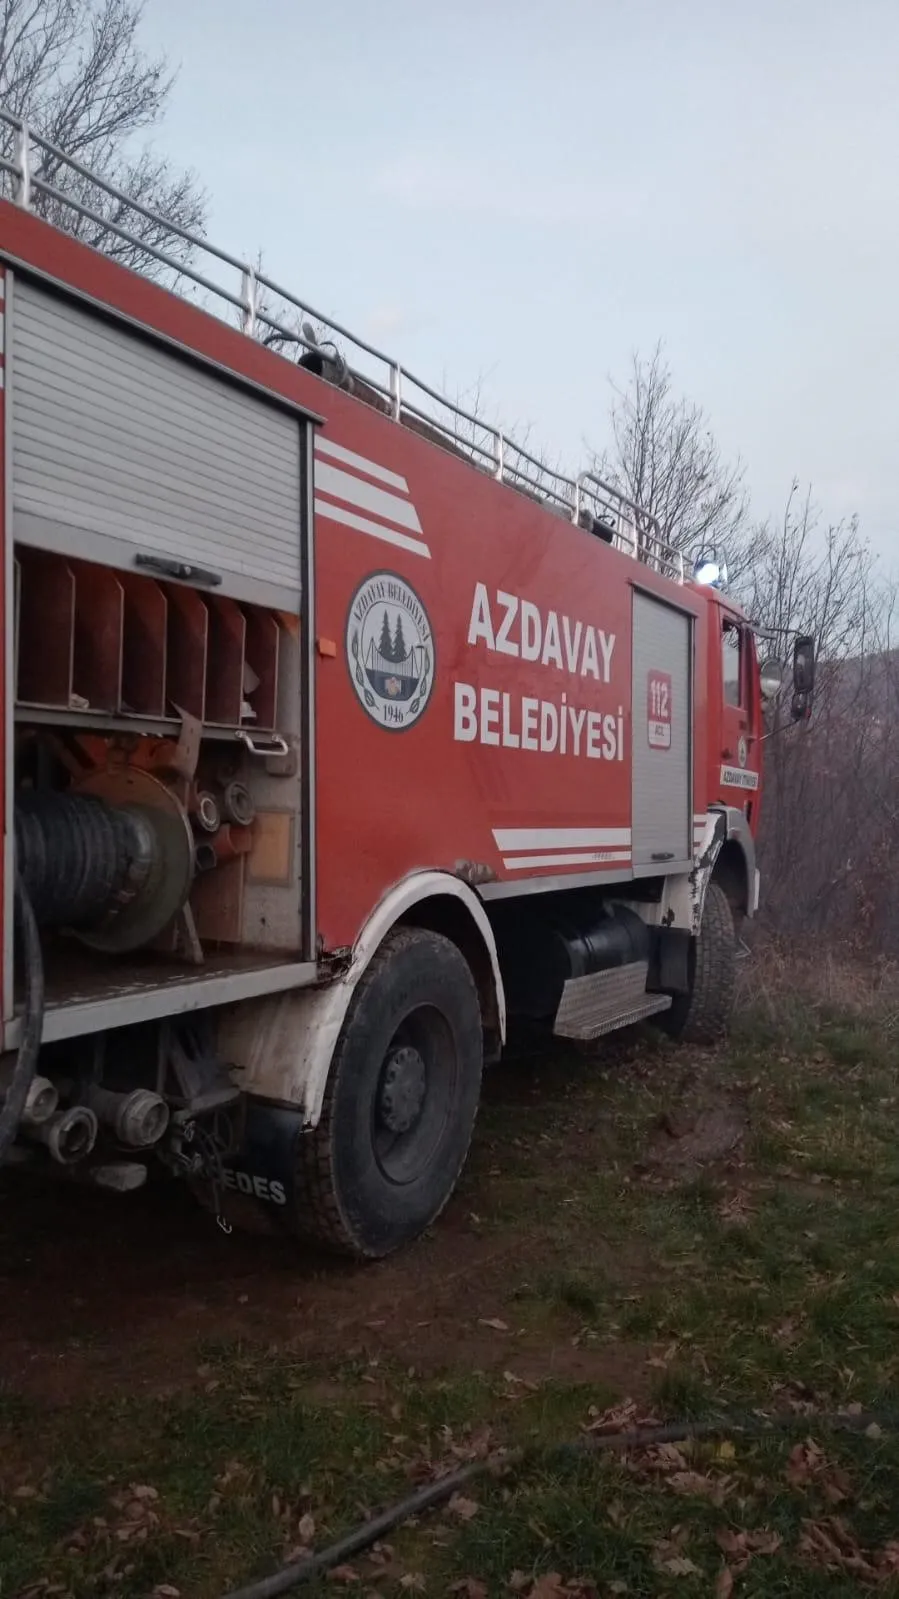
pixel 804 666
pixel 801 707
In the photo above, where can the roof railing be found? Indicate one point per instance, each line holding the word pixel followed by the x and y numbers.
pixel 35 170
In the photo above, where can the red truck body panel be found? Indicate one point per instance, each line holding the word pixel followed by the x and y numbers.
pixel 427 796
pixel 493 733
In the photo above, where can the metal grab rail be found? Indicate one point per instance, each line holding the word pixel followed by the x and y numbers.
pixel 635 530
pixel 37 168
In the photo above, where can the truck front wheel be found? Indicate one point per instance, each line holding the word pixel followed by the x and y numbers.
pixel 702 1015
pixel 401 1101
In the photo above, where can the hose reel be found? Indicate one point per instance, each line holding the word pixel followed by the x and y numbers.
pixel 112 861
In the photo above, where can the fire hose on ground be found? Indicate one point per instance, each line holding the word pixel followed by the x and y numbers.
pixel 752 1425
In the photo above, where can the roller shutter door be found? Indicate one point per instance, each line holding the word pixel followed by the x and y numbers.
pixel 116 437
pixel 662 734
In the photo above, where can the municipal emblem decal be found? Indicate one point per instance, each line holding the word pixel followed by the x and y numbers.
pixel 390 650
pixel 742 752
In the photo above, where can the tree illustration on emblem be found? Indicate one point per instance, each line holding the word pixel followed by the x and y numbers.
pixel 399 642
pixel 385 648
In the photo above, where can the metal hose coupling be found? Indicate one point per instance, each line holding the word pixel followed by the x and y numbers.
pixel 69 1135
pixel 41 1102
pixel 138 1118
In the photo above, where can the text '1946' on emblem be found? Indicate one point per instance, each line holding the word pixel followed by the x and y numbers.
pixel 390 651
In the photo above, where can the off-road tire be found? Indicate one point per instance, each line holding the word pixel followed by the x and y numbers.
pixel 344 1199
pixel 702 1016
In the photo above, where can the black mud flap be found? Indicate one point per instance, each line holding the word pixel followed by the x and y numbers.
pixel 669 966
pixel 263 1173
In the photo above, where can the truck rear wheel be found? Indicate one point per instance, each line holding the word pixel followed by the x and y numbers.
pixel 701 1016
pixel 400 1104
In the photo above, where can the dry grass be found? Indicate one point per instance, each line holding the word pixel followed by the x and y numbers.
pixel 781 984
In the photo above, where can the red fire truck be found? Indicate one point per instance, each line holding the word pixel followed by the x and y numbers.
pixel 337 731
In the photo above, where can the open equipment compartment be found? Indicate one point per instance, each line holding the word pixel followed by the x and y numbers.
pixel 161 533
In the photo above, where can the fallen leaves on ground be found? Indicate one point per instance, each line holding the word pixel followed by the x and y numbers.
pixel 797 1396
pixel 623 1417
pixel 670 1462
pixel 657 1460
pixel 678 1566
pixel 296 1553
pixel 465 1509
pixel 428 1465
pixel 135 1517
pixel 475 1443
pixel 735 1209
pixel 43 1589
pixel 669 1554
pixel 695 1484
pixel 233 1471
pixel 832 1546
pixel 808 1464
pixel 520 1382
pixel 740 1546
pixel 553 1586
pixel 760 1541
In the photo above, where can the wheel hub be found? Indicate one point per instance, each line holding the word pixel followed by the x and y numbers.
pixel 402 1091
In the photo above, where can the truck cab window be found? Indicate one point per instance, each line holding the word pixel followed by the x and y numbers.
pixel 731 653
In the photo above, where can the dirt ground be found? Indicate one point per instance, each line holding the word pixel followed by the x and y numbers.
pixel 99 1290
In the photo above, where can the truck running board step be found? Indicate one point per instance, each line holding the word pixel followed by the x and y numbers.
pixel 604 1001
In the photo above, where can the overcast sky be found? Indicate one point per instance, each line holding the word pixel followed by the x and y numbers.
pixel 527 191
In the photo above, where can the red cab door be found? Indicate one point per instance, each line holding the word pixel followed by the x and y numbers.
pixel 739 752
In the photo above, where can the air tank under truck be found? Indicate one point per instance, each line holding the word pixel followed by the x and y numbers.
pixel 335 740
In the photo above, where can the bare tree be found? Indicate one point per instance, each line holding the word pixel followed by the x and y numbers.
pixel 830 817
pixel 830 820
pixel 74 69
pixel 664 456
pixel 811 578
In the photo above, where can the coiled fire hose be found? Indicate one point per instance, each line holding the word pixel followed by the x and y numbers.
pixel 32 1021
pixel 437 1493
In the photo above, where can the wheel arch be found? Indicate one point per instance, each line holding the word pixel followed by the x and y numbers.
pixel 283 1046
pixel 734 867
pixel 441 904
pixel 451 916
pixel 724 855
pixel 731 873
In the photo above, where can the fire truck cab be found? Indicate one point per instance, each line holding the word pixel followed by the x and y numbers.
pixel 337 731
